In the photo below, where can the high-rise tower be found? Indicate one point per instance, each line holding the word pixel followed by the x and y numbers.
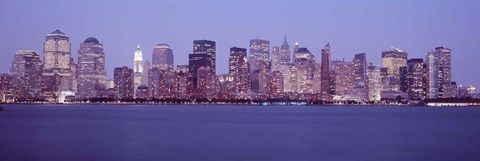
pixel 325 74
pixel 162 57
pixel 91 72
pixel 59 68
pixel 137 68
pixel 439 73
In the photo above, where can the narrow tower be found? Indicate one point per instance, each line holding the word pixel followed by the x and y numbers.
pixel 137 68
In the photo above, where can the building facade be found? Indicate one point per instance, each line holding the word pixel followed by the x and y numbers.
pixel 162 57
pixel 123 78
pixel 91 73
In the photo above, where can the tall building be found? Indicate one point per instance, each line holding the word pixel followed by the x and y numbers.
pixel 161 83
pixel 206 47
pixel 146 67
pixel 205 84
pixel 259 53
pixel 285 52
pixel 59 69
pixel 6 88
pixel 91 73
pixel 305 63
pixel 325 74
pixel 374 85
pixel 392 61
pixel 438 64
pixel 317 78
pixel 26 72
pixel 344 78
pixel 137 68
pixel 360 74
pixel 415 79
pixel 162 57
pixel 242 75
pixel 123 78
pixel 196 61
pixel 204 54
pixel 181 85
pixel 235 54
pixel 276 57
pixel 293 79
pixel 275 84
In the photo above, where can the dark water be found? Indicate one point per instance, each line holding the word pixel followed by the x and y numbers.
pixel 224 133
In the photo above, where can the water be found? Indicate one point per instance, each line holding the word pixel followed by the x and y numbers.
pixel 246 133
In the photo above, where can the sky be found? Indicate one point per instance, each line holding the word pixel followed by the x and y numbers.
pixel 350 26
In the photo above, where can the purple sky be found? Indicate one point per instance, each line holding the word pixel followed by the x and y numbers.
pixel 369 26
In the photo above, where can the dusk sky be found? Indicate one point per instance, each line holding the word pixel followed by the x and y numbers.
pixel 354 26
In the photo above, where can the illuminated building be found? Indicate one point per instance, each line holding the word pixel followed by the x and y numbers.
pixel 91 73
pixel 59 69
pixel 415 79
pixel 235 54
pixel 123 78
pixel 439 77
pixel 344 78
pixel 205 86
pixel 275 84
pixel 162 57
pixel 259 53
pixel 285 52
pixel 26 72
pixel 181 85
pixel 138 68
pixel 146 67
pixel 392 61
pixel 204 54
pixel 374 85
pixel 242 75
pixel 275 58
pixel 360 74
pixel 325 74
pixel 161 83
pixel 305 63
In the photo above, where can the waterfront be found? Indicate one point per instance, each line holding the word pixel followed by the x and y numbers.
pixel 190 132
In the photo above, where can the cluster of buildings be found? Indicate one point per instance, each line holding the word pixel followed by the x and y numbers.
pixel 263 72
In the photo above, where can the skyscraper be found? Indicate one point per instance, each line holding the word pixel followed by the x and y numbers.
pixel 59 68
pixel 137 68
pixel 275 84
pixel 259 53
pixel 285 52
pixel 162 57
pixel 393 60
pixel 123 78
pixel 305 63
pixel 275 58
pixel 374 85
pixel 146 67
pixel 415 79
pixel 242 74
pixel 325 74
pixel 91 72
pixel 161 83
pixel 207 47
pixel 439 73
pixel 26 72
pixel 360 74
pixel 205 86
pixel 344 78
pixel 204 54
pixel 235 54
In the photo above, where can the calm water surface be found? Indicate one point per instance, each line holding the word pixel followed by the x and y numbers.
pixel 247 133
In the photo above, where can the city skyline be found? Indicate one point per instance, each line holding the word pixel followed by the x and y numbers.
pixel 417 40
